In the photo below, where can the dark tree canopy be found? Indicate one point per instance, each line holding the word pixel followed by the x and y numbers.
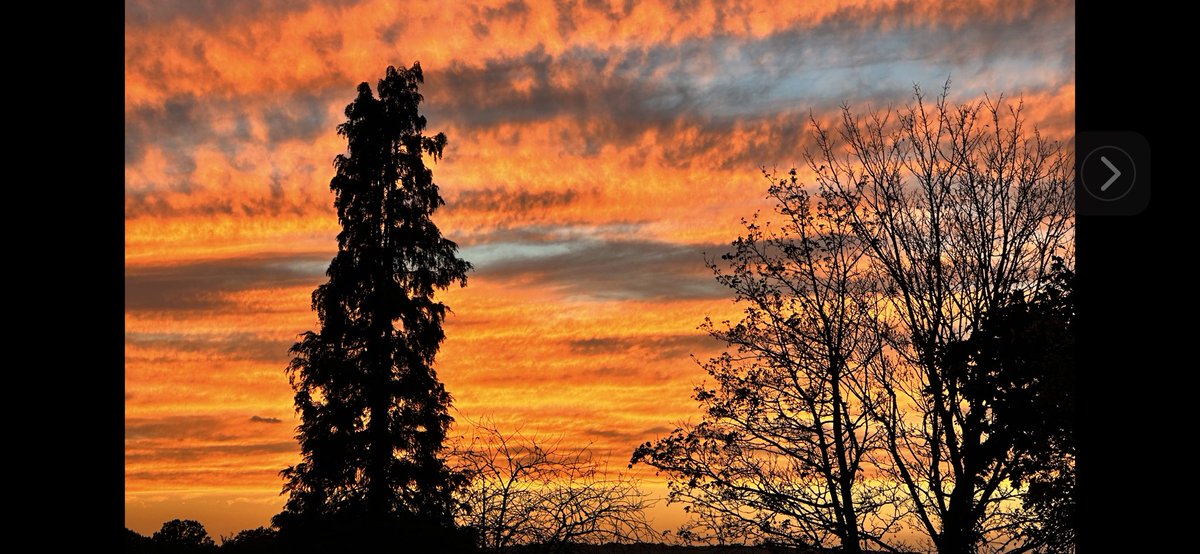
pixel 373 412
pixel 135 542
pixel 260 540
pixel 182 535
pixel 1021 362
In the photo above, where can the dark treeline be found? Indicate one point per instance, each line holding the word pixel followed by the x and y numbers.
pixel 189 536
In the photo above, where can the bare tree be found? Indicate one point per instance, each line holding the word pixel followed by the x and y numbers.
pixel 783 451
pixel 526 491
pixel 961 209
pixel 851 405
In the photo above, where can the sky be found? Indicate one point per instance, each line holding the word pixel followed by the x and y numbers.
pixel 597 152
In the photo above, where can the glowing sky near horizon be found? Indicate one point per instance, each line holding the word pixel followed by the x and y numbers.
pixel 596 151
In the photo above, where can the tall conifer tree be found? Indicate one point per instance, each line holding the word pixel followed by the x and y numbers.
pixel 373 412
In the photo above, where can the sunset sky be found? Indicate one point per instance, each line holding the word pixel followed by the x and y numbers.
pixel 596 151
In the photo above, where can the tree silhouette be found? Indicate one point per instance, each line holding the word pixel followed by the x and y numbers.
pixel 260 540
pixel 786 437
pixel 1022 363
pixel 962 209
pixel 182 535
pixel 373 413
pixel 533 493
pixel 879 376
pixel 136 542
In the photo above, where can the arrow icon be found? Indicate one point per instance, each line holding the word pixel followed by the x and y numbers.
pixel 1116 174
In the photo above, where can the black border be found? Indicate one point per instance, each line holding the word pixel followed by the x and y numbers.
pixel 1120 399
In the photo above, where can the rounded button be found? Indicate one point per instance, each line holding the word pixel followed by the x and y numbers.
pixel 1108 173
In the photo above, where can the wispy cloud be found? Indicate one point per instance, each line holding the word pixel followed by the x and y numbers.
pixel 261 419
pixel 205 284
pixel 608 269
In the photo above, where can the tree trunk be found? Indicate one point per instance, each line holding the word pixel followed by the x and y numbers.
pixel 958 525
pixel 379 454
pixel 851 542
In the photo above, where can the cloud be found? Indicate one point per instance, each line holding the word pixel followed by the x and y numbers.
pixel 156 444
pixel 221 346
pixel 301 116
pixel 599 269
pixel 192 454
pixel 486 16
pixel 175 427
pixel 161 124
pixel 212 13
pixel 198 429
pixel 183 122
pixel 509 201
pixel 203 284
pixel 270 47
pixel 665 347
pixel 841 58
pixel 626 437
pixel 819 61
pixel 716 100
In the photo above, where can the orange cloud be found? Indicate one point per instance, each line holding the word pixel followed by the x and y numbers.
pixel 320 45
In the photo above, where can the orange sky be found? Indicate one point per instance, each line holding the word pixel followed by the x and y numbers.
pixel 596 150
